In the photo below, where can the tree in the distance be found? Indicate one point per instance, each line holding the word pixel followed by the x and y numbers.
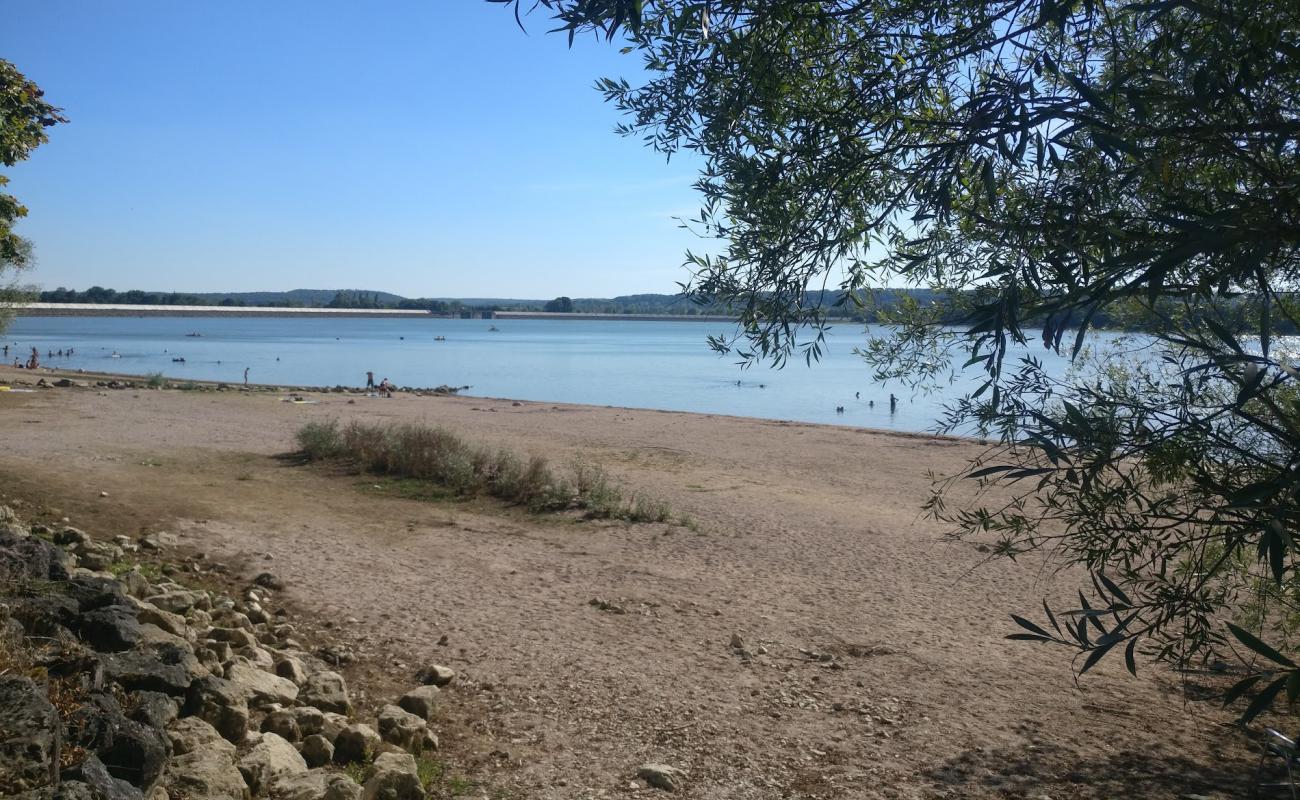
pixel 560 305
pixel 1037 163
pixel 24 116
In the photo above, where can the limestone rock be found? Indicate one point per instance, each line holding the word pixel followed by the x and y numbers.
pixel 401 728
pixel 394 777
pixel 327 691
pixel 355 743
pixel 317 751
pixel 420 701
pixel 271 759
pixel 436 675
pixel 259 687
pixel 29 725
pixel 222 704
pixel 155 666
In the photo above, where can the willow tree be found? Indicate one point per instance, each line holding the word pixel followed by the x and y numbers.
pixel 24 116
pixel 1042 163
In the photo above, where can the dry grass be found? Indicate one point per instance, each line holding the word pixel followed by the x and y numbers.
pixel 440 457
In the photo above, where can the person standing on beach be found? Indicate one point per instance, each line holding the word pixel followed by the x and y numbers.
pixel 245 376
pixel 370 380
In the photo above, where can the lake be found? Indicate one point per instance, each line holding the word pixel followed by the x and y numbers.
pixel 639 364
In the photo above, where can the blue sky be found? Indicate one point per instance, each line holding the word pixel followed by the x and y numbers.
pixel 424 147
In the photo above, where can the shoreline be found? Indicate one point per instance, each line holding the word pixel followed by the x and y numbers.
pixel 9 374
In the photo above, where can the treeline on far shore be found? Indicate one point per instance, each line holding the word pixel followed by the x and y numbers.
pixel 879 306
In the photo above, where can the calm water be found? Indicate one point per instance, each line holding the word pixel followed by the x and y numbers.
pixel 661 365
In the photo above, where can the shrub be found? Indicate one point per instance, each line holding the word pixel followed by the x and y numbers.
pixel 320 440
pixel 440 457
pixel 156 381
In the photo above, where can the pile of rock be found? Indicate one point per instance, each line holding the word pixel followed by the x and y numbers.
pixel 122 687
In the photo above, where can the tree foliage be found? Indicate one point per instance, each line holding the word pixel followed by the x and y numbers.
pixel 1043 162
pixel 24 116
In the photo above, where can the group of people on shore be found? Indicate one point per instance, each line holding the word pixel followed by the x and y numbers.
pixel 384 387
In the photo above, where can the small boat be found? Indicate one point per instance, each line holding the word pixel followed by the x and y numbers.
pixel 494 328
pixel 115 354
pixel 440 338
pixel 193 334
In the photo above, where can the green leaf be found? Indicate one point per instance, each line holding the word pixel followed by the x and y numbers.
pixel 1249 640
pixel 1263 700
pixel 1029 626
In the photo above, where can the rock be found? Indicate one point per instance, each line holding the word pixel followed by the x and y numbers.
pixel 420 701
pixel 136 584
pixel 180 601
pixel 222 704
pixel 317 751
pixel 157 541
pixel 401 728
pixel 237 637
pixel 327 691
pixel 435 675
pixel 135 753
pixel 269 581
pixel 155 666
pixel 316 784
pixel 429 742
pixel 355 743
pixel 311 721
pixel 282 724
pixel 29 736
pixel 331 724
pixel 394 777
pixel 28 556
pixel 341 787
pixel 109 629
pixel 259 687
pixel 155 709
pixel 270 759
pixel 661 776
pixel 291 668
pixel 71 536
pixel 205 774
pixel 103 785
pixel 191 735
pixel 151 614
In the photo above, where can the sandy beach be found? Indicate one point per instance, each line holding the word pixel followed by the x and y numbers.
pixel 877 663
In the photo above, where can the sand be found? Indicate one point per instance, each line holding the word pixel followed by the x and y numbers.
pixel 807 539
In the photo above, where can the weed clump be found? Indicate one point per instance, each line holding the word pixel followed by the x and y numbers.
pixel 438 456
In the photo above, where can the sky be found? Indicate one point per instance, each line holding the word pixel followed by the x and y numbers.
pixel 424 147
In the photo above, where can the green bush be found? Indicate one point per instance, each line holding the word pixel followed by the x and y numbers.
pixel 320 440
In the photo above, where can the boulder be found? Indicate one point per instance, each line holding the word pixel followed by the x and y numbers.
pixel 29 736
pixel 282 724
pixel 420 701
pixel 436 675
pixel 311 720
pixel 205 775
pixel 179 601
pixel 172 623
pixel 259 687
pixel 136 584
pixel 317 751
pixel 331 724
pixel 155 709
pixel 317 784
pixel 270 760
pixel 109 629
pixel 355 743
pixel 222 704
pixel 154 666
pixel 193 735
pixel 134 752
pixel 290 668
pixel 30 557
pixel 70 536
pixel 393 777
pixel 237 637
pixel 327 691
pixel 401 728
pixel 92 773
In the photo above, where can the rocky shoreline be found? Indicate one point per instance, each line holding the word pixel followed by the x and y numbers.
pixel 117 682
